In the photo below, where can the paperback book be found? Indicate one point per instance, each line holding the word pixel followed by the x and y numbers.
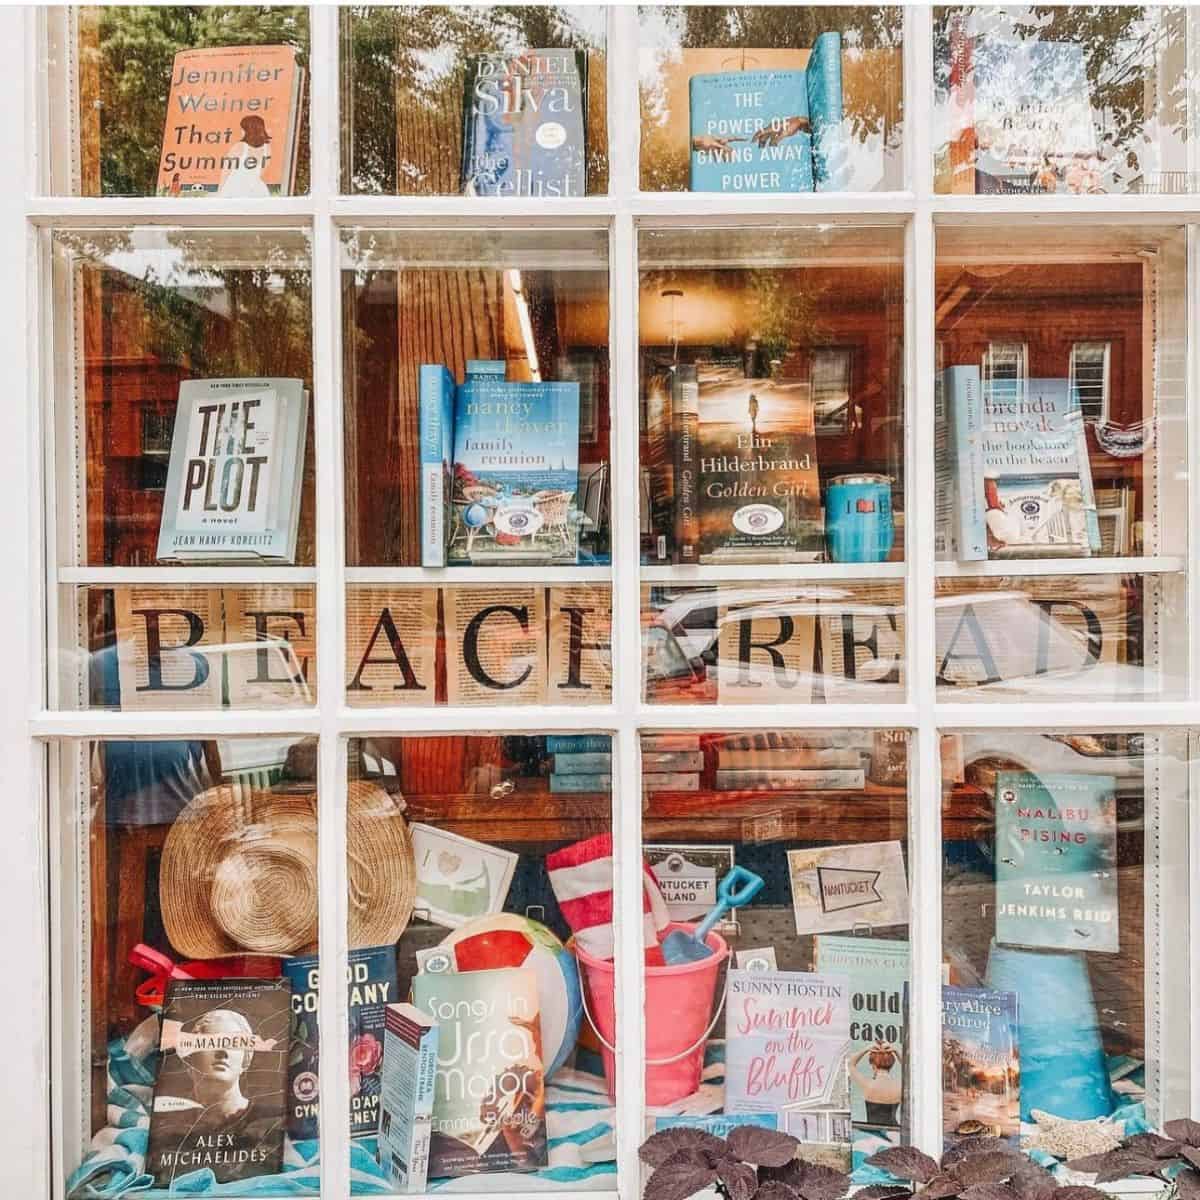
pixel 489 1109
pixel 220 1096
pixel 981 1074
pixel 525 117
pixel 410 1041
pixel 436 418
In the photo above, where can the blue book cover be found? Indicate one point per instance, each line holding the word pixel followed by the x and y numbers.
pixel 581 783
pixel 372 986
pixel 597 762
pixel 578 743
pixel 436 421
pixel 1037 479
pixel 964 412
pixel 516 472
pixel 524 124
pixel 981 1074
pixel 1056 860
pixel 830 151
pixel 750 132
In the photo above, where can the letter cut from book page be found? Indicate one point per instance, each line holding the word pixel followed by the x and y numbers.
pixel 495 645
pixel 1033 636
pixel 765 646
pixel 862 643
pixel 580 645
pixel 391 646
pixel 272 646
pixel 167 647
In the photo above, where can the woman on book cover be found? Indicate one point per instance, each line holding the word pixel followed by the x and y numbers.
pixel 245 179
pixel 880 1089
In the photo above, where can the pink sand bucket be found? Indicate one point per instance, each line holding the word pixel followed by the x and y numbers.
pixel 679 1016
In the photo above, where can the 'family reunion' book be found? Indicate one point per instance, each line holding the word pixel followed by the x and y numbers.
pixel 436 418
pixel 372 985
pixel 410 1042
pixel 233 119
pixel 220 1096
pixel 1056 860
pixel 237 464
pixel 489 1101
pixel 525 117
pixel 981 1075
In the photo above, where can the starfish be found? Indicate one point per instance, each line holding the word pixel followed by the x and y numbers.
pixel 1072 1139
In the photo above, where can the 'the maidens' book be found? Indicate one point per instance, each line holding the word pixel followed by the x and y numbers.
pixel 371 986
pixel 220 1097
pixel 237 464
pixel 757 490
pixel 233 120
pixel 1056 860
pixel 981 1074
pixel 489 1109
pixel 524 122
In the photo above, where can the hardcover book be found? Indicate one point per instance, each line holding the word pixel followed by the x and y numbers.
pixel 670 781
pixel 785 780
pixel 233 117
pixel 578 743
pixel 436 419
pixel 524 124
pixel 371 987
pixel 234 479
pixel 878 971
pixel 581 783
pixel 786 1034
pixel 788 760
pixel 583 762
pixel 220 1097
pixel 516 471
pixel 685 450
pixel 489 1108
pixel 1056 860
pixel 758 494
pixel 410 1041
pixel 981 1074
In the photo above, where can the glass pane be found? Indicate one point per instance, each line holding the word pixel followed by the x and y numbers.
pixel 1079 99
pixel 509 330
pixel 155 322
pixel 772 399
pixel 488 101
pixel 497 645
pixel 180 101
pixel 770 99
pixel 496 895
pixel 782 643
pixel 1065 923
pixel 811 962
pixel 186 889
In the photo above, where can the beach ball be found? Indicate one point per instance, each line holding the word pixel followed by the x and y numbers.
pixel 509 940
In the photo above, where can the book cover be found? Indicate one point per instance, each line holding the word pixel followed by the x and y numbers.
pixel 233 116
pixel 524 124
pixel 459 879
pixel 758 494
pixel 981 1073
pixel 786 1034
pixel 371 987
pixel 489 1108
pixel 1037 483
pixel 237 453
pixel 1056 860
pixel 220 1097
pixel 436 420
pixel 581 783
pixel 578 743
pixel 835 888
pixel 410 1042
pixel 823 79
pixel 750 132
pixel 878 971
pixel 787 779
pixel 964 416
pixel 583 762
pixel 516 471
pixel 684 432
pixel 688 875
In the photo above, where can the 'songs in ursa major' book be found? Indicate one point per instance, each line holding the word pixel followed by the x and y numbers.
pixel 524 117
pixel 220 1097
pixel 981 1074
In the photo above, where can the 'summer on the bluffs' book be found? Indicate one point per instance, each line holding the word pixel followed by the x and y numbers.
pixel 489 1109
pixel 524 122
pixel 981 1074
pixel 220 1096
pixel 233 119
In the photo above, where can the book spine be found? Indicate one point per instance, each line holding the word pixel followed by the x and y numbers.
pixel 578 743
pixel 824 80
pixel 670 781
pixel 685 420
pixel 964 405
pixel 1085 483
pixel 663 742
pixel 787 760
pixel 945 532
pixel 431 420
pixel 594 763
pixel 580 783
pixel 787 781
pixel 687 760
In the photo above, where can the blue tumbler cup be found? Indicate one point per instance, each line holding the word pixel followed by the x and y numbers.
pixel 858 518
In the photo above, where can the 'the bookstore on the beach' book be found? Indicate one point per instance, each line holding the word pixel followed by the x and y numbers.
pixel 981 1074
pixel 436 419
pixel 220 1096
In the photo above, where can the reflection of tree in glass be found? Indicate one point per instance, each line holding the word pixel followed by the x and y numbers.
pixel 137 46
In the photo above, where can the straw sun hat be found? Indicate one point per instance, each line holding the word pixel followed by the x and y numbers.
pixel 239 871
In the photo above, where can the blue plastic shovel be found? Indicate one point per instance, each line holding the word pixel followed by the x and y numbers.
pixel 737 888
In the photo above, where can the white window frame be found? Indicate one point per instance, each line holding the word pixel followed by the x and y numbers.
pixel 34 1168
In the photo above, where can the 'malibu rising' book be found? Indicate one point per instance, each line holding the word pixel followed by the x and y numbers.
pixel 524 120
pixel 219 1101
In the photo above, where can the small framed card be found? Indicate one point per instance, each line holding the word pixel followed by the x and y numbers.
pixel 459 879
pixel 688 876
pixel 842 887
